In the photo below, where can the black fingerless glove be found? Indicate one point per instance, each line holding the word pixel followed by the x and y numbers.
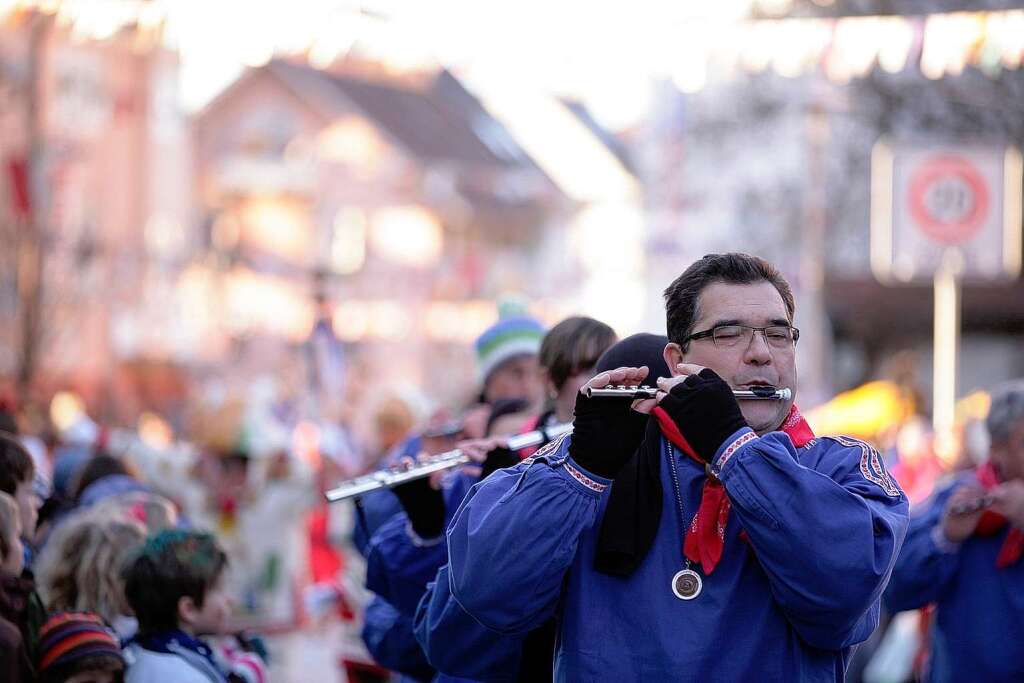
pixel 424 506
pixel 497 459
pixel 605 434
pixel 705 411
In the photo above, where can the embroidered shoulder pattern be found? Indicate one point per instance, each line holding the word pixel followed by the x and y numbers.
pixel 871 466
pixel 548 448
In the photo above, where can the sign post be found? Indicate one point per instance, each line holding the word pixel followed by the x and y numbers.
pixel 946 351
pixel 944 214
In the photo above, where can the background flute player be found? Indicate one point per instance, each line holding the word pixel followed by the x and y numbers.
pixel 963 553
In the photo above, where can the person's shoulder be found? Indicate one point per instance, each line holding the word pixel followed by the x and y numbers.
pixel 839 456
pixel 146 666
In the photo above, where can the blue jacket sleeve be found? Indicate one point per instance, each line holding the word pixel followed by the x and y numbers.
pixel 399 564
pixel 372 510
pixel 927 562
pixel 827 533
pixel 459 645
pixel 516 535
pixel 389 639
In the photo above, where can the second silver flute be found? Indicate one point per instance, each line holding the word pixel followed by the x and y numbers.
pixel 389 478
pixel 758 393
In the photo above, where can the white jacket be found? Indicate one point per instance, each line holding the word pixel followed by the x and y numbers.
pixel 146 666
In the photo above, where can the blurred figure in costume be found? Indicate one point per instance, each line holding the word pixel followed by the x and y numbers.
pixel 963 554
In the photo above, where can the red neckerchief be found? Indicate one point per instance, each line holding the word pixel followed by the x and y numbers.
pixel 992 523
pixel 705 540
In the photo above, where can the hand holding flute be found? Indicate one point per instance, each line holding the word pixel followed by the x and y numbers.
pixel 963 510
pixel 607 430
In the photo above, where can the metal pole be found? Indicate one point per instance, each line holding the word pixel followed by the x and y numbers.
pixel 945 354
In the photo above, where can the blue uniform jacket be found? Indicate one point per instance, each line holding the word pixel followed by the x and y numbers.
pixel 978 634
pixel 399 565
pixel 824 523
pixel 387 634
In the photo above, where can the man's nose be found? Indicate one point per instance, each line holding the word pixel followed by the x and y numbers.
pixel 758 351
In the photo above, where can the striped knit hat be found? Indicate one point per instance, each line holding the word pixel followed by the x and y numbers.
pixel 68 637
pixel 509 337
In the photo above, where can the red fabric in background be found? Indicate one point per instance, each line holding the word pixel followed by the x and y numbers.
pixel 17 171
pixel 325 563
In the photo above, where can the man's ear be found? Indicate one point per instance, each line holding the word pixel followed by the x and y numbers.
pixel 187 610
pixel 673 355
pixel 550 391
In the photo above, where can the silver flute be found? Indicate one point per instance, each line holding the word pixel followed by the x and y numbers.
pixel 391 477
pixel 970 506
pixel 757 393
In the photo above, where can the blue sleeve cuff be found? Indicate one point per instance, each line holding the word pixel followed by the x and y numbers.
pixel 730 447
pixel 585 481
pixel 419 541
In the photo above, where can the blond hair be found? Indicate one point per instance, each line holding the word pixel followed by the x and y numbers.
pixel 153 511
pixel 79 568
pixel 9 523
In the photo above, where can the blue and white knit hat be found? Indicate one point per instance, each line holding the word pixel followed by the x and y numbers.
pixel 509 337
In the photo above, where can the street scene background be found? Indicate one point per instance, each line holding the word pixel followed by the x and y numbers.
pixel 291 221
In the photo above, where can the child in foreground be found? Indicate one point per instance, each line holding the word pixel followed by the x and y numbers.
pixel 175 586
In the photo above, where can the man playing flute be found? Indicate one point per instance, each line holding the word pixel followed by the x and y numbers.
pixel 731 545
pixel 963 554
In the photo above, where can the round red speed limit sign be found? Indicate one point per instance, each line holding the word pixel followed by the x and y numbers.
pixel 948 198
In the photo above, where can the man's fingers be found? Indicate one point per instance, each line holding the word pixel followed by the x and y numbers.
pixel 965 493
pixel 644 405
pixel 624 375
pixel 689 368
pixel 665 384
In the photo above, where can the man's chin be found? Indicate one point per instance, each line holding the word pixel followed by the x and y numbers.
pixel 762 418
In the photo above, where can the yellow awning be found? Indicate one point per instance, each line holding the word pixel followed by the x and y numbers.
pixel 864 412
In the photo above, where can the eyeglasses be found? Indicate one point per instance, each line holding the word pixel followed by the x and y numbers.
pixel 729 336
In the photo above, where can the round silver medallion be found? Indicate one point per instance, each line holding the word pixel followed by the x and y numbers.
pixel 686 584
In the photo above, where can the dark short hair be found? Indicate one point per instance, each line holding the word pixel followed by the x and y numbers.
pixel 683 295
pixel 16 466
pixel 573 345
pixel 8 423
pixel 172 564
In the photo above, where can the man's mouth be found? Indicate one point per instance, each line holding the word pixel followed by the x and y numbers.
pixel 756 383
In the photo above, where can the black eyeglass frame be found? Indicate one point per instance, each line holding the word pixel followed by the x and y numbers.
pixel 763 330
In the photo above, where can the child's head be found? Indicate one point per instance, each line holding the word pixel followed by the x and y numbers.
pixel 77 647
pixel 176 582
pixel 80 565
pixel 16 474
pixel 12 555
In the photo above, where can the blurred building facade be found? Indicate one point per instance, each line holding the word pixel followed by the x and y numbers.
pixel 376 214
pixel 394 209
pixel 781 167
pixel 109 204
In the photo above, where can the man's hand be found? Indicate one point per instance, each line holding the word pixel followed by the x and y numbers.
pixel 488 455
pixel 606 432
pixel 703 407
pixel 1008 500
pixel 422 501
pixel 958 528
